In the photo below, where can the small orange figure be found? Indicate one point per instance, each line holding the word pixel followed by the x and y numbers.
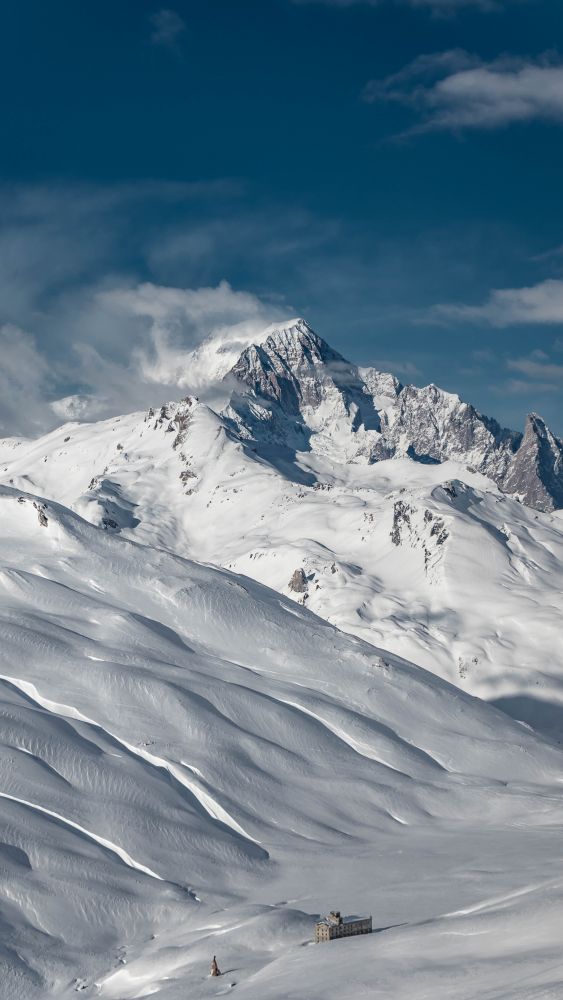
pixel 215 971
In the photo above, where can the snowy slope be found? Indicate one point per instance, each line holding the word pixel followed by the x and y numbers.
pixel 183 751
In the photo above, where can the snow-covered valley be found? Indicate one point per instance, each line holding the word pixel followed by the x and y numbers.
pixel 198 758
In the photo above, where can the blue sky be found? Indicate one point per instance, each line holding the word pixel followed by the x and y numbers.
pixel 389 170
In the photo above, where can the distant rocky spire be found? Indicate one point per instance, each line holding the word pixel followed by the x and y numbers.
pixel 536 474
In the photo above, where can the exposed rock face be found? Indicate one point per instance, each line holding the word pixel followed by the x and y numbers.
pixel 432 425
pixel 294 385
pixel 382 386
pixel 536 473
pixel 298 582
pixel 291 368
pixel 401 516
pixel 41 515
pixel 419 529
pixel 297 392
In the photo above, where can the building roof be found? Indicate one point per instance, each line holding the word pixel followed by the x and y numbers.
pixel 345 920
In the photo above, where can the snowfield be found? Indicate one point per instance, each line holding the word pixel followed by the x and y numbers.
pixel 196 761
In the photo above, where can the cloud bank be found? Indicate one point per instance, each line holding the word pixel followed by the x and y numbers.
pixel 192 336
pixel 24 382
pixel 173 340
pixel 83 338
pixel 536 304
pixel 455 90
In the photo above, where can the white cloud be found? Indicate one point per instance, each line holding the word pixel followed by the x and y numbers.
pixel 405 368
pixel 535 373
pixel 197 309
pixel 454 90
pixel 167 27
pixel 56 238
pixel 24 382
pixel 519 387
pixel 112 343
pixel 536 368
pixel 552 254
pixel 159 343
pixel 177 340
pixel 537 304
pixel 180 319
pixel 80 406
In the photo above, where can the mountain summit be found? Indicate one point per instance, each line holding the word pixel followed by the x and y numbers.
pixel 296 391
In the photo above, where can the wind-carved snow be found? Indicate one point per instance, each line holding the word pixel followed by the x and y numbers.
pixel 107 844
pixel 361 747
pixel 213 808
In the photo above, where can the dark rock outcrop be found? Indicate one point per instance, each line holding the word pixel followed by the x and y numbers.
pixel 298 582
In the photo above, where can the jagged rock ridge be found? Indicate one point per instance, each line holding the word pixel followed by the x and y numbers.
pixel 297 391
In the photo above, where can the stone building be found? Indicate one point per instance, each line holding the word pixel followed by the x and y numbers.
pixel 336 926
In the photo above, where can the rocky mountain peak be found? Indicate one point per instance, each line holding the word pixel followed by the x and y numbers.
pixel 293 373
pixel 297 344
pixel 537 425
pixel 536 473
pixel 296 390
pixel 289 365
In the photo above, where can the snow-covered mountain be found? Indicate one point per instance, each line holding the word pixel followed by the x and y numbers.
pixel 294 391
pixel 383 499
pixel 195 760
pixel 193 765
